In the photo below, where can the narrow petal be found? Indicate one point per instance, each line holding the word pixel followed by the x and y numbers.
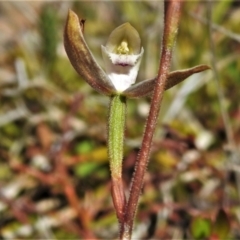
pixel 146 87
pixel 81 57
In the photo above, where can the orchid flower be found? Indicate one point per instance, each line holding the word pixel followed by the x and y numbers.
pixel 122 57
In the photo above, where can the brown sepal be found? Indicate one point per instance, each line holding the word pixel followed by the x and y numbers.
pixel 81 57
pixel 146 87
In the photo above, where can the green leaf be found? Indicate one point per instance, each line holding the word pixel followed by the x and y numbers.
pixel 84 147
pixel 221 226
pixel 86 169
pixel 200 228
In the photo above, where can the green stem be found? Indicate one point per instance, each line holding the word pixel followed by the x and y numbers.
pixel 116 129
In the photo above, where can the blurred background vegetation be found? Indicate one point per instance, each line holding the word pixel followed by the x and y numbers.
pixel 54 176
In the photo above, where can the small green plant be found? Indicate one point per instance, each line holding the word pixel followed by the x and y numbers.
pixel 122 56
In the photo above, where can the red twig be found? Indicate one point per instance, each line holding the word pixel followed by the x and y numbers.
pixel 172 10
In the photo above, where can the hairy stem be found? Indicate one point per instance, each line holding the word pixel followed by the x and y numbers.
pixel 172 17
pixel 116 129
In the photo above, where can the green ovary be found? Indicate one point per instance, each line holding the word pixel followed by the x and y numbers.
pixel 116 130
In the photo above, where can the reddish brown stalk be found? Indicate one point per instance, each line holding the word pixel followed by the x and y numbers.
pixel 118 196
pixel 172 10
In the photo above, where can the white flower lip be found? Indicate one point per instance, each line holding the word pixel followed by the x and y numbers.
pixel 122 69
pixel 123 60
pixel 122 56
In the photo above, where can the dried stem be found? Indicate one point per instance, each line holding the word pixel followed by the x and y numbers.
pixel 172 10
